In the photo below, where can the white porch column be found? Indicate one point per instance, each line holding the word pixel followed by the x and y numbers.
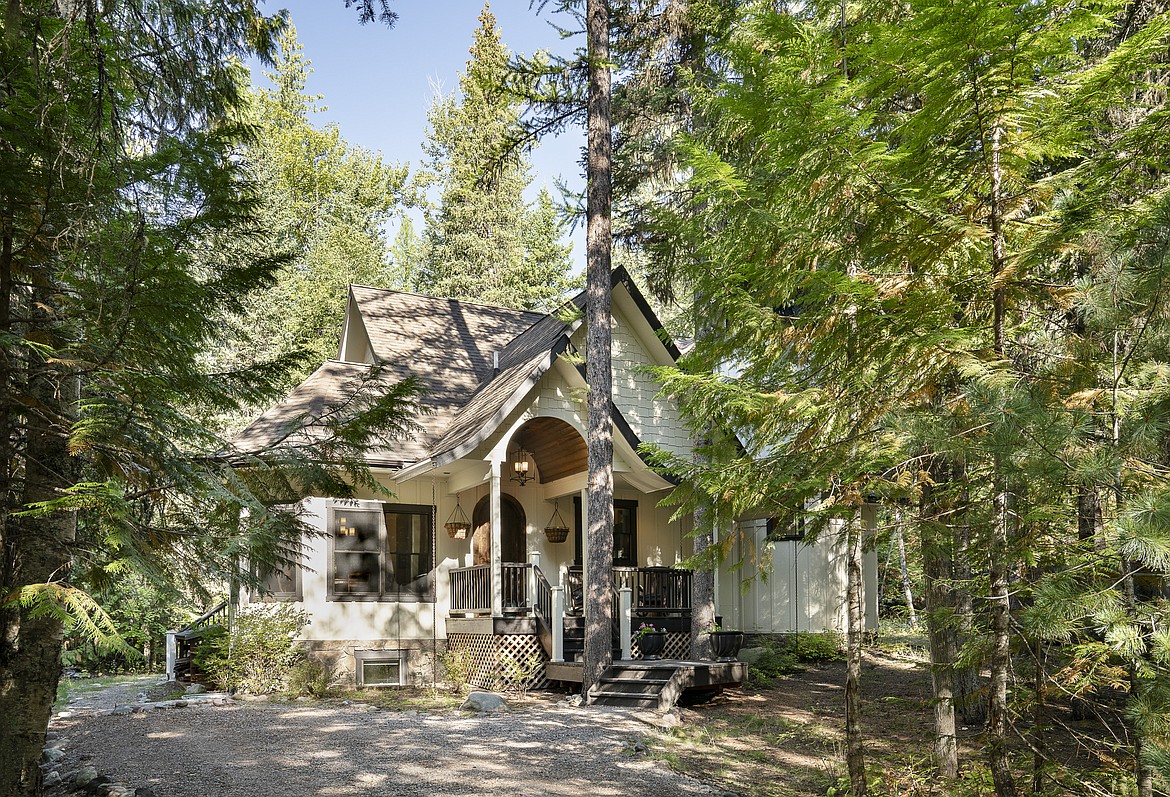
pixel 558 623
pixel 626 613
pixel 584 544
pixel 497 550
pixel 172 654
pixel 534 560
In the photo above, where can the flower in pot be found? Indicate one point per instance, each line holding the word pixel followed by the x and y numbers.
pixel 651 640
pixel 725 645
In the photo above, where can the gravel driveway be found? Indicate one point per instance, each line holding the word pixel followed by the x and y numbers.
pixel 250 749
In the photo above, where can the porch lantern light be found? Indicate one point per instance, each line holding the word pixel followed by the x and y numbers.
pixel 458 525
pixel 556 530
pixel 521 465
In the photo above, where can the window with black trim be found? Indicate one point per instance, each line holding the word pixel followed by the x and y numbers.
pixel 625 532
pixel 281 584
pixel 790 528
pixel 381 552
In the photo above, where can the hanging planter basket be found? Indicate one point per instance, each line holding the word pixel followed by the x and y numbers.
pixel 457 525
pixel 556 530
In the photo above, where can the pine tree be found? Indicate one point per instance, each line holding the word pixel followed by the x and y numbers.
pixel 128 234
pixel 327 203
pixel 482 241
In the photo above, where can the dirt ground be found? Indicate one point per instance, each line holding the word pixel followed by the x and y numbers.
pixel 787 739
pixel 784 739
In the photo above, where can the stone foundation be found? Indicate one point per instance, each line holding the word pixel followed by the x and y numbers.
pixel 420 667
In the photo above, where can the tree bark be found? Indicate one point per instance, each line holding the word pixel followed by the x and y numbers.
pixel 702 593
pixel 37 552
pixel 598 373
pixel 854 739
pixel 936 568
pixel 907 592
pixel 999 568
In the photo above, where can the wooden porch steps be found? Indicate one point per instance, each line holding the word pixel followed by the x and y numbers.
pixel 640 684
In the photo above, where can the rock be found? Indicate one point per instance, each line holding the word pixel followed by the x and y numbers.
pixel 99 785
pixel 484 701
pixel 52 779
pixel 195 689
pixel 142 791
pixel 180 704
pixel 751 655
pixel 84 776
pixel 63 714
pixel 51 735
pixel 51 755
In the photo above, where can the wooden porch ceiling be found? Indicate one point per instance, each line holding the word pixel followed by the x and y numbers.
pixel 556 447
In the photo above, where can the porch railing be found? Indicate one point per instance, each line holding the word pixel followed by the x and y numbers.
pixel 471 590
pixel 658 590
pixel 515 576
pixel 655 590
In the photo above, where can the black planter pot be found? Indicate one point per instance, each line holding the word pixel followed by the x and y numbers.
pixel 652 645
pixel 725 645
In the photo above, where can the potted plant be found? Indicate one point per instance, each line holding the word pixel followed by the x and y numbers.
pixel 651 640
pixel 725 645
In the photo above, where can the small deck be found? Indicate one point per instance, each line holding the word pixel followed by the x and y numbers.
pixel 652 683
pixel 699 674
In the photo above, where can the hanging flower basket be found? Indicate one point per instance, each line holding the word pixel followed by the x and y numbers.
pixel 457 530
pixel 556 530
pixel 457 525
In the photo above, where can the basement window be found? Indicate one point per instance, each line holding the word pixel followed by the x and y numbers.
pixel 379 668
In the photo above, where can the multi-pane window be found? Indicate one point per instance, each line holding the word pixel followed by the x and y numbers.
pixel 381 552
pixel 282 584
pixel 625 532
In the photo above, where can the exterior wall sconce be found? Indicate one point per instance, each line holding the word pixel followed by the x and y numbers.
pixel 521 465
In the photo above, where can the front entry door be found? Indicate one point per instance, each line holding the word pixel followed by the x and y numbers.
pixel 513 530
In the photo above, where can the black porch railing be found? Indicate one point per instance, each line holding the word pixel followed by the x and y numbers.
pixel 656 591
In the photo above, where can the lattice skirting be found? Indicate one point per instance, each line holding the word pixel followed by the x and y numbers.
pixel 503 662
pixel 678 646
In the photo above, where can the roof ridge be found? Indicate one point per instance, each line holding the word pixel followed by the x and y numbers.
pixel 450 299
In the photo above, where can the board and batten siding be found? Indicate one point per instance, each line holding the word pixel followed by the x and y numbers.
pixel 802 589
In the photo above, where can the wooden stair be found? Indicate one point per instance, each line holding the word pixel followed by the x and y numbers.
pixel 638 685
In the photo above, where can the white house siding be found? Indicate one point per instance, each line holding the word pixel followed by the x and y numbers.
pixel 653 418
pixel 801 589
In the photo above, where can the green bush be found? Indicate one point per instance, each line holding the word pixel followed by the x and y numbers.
pixel 825 646
pixel 308 677
pixel 259 653
pixel 457 668
pixel 773 663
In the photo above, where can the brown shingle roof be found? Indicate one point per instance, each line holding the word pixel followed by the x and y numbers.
pixel 448 346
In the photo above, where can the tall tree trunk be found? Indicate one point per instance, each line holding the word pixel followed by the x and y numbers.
pixel 598 373
pixel 36 552
pixel 854 740
pixel 907 592
pixel 937 575
pixel 970 702
pixel 702 593
pixel 999 596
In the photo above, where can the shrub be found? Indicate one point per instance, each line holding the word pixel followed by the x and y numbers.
pixel 308 677
pixel 259 653
pixel 825 646
pixel 773 663
pixel 457 668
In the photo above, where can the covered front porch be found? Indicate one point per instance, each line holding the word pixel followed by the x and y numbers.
pixel 659 596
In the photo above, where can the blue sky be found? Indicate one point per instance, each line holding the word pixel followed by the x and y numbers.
pixel 378 83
